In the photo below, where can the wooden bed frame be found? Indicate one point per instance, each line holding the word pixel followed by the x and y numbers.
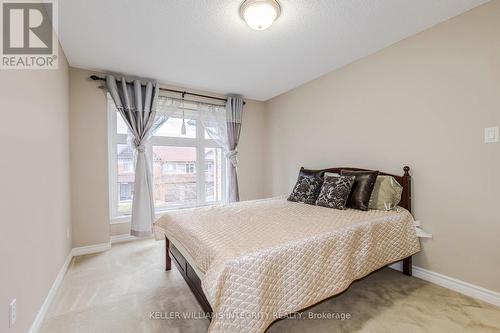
pixel 194 282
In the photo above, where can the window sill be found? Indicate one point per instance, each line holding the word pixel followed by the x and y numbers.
pixel 127 218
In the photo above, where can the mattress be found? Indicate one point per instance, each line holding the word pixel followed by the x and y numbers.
pixel 264 259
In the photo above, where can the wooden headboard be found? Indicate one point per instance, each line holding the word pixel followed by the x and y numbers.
pixel 404 180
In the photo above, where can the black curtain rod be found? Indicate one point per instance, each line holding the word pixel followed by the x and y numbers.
pixel 97 78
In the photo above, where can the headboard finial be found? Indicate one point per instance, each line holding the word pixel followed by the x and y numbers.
pixel 406 170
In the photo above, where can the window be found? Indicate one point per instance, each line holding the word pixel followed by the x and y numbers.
pixel 123 182
pixel 126 191
pixel 188 170
pixel 212 175
pixel 190 167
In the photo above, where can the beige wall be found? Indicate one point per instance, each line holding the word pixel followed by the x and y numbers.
pixel 34 188
pixel 251 152
pixel 89 160
pixel 423 102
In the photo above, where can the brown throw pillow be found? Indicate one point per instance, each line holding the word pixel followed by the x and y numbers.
pixel 311 173
pixel 361 189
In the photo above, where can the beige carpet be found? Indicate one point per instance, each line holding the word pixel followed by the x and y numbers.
pixel 115 291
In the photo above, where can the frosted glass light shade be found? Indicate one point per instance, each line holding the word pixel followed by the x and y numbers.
pixel 260 14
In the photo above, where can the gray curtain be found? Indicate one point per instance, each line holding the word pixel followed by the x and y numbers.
pixel 234 113
pixel 137 105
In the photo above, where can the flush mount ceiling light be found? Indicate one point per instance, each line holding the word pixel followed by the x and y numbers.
pixel 260 14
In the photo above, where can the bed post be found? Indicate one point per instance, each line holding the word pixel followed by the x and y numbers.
pixel 407 262
pixel 406 195
pixel 407 266
pixel 168 260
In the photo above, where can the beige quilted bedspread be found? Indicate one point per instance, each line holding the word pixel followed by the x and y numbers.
pixel 264 259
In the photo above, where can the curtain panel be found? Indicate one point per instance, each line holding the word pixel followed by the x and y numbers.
pixel 223 125
pixel 137 105
pixel 234 109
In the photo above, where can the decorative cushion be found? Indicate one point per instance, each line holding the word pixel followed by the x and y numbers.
pixel 386 193
pixel 306 190
pixel 335 191
pixel 361 189
pixel 311 173
pixel 330 174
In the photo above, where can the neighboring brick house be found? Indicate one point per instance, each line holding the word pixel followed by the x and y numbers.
pixel 174 171
pixel 125 173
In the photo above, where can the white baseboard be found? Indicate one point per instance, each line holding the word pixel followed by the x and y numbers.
pixel 80 251
pixel 122 238
pixel 127 238
pixel 462 287
pixel 35 327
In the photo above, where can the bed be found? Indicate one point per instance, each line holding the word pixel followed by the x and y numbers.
pixel 251 263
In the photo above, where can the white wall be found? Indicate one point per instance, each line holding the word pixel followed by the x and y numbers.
pixel 422 102
pixel 34 188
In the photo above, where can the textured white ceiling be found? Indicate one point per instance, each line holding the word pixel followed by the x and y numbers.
pixel 203 44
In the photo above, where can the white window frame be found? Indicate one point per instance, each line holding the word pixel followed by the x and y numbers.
pixel 200 143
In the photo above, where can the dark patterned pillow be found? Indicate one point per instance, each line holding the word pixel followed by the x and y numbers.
pixel 306 190
pixel 335 191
